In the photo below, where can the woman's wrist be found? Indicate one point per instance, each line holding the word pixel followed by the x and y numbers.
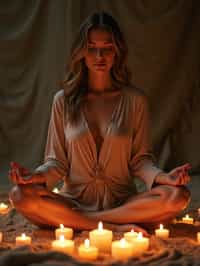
pixel 161 178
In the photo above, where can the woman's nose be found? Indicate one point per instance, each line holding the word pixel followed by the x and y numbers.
pixel 99 53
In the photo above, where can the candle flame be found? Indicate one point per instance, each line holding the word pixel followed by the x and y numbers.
pixel 187 216
pixel 23 236
pixel 55 190
pixel 87 243
pixel 3 205
pixel 140 236
pixel 62 226
pixel 122 242
pixel 62 238
pixel 161 227
pixel 100 226
pixel 132 231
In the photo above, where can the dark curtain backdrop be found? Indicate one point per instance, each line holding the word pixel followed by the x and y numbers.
pixel 164 42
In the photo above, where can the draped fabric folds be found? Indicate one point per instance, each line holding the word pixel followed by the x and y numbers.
pixel 163 39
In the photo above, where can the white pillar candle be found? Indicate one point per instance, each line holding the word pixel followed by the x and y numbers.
pixel 23 240
pixel 130 235
pixel 162 232
pixel 3 208
pixel 140 244
pixel 122 249
pixel 63 245
pixel 101 238
pixel 64 231
pixel 87 252
pixel 198 237
pixel 1 237
pixel 187 219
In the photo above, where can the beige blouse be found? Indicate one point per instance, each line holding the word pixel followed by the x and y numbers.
pixel 105 180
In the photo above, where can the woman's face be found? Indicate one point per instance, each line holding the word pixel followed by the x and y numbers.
pixel 100 52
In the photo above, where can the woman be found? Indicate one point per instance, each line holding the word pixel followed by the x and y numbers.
pixel 98 141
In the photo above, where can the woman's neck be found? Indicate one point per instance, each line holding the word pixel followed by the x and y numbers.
pixel 99 83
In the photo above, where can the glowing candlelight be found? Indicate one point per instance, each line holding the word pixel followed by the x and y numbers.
pixel 23 240
pixel 198 237
pixel 162 232
pixel 101 238
pixel 3 208
pixel 65 231
pixel 130 235
pixel 1 237
pixel 63 245
pixel 122 249
pixel 187 219
pixel 87 252
pixel 140 244
pixel 55 190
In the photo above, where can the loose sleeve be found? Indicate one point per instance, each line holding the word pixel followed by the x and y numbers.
pixel 142 161
pixel 55 165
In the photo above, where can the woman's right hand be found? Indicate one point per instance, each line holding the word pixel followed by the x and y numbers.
pixel 21 176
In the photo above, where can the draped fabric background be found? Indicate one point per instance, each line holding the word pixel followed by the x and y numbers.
pixel 164 43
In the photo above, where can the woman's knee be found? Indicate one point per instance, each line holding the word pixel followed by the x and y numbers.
pixel 19 194
pixel 177 198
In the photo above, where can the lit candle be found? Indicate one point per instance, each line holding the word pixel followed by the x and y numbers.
pixel 1 237
pixel 199 211
pixel 87 252
pixel 162 232
pixel 187 219
pixel 3 208
pixel 63 245
pixel 101 238
pixel 23 240
pixel 122 249
pixel 64 231
pixel 55 190
pixel 198 237
pixel 130 235
pixel 140 244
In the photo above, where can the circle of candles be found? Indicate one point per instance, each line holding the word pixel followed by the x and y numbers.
pixel 130 235
pixel 101 238
pixel 140 244
pixel 23 240
pixel 162 232
pixel 63 245
pixel 87 252
pixel 1 237
pixel 64 231
pixel 122 249
pixel 187 219
pixel 3 208
pixel 198 237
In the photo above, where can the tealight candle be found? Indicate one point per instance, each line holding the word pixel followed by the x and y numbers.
pixel 187 219
pixel 23 240
pixel 1 237
pixel 3 208
pixel 140 244
pixel 162 232
pixel 130 235
pixel 101 238
pixel 55 190
pixel 64 231
pixel 198 237
pixel 122 249
pixel 87 252
pixel 63 245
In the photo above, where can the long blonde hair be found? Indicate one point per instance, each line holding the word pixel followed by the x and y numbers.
pixel 75 84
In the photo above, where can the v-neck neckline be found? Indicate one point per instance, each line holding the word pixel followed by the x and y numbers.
pixel 108 128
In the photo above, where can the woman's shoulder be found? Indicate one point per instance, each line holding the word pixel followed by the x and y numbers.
pixel 59 97
pixel 135 93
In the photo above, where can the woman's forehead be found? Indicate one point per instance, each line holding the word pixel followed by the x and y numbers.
pixel 100 36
